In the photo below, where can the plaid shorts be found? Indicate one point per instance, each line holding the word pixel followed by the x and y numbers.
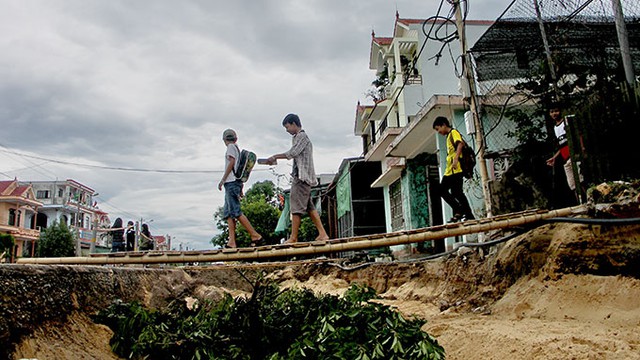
pixel 300 199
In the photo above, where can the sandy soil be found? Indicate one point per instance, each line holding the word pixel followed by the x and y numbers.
pixel 78 338
pixel 576 317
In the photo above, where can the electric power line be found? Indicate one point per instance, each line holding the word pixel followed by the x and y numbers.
pixel 117 168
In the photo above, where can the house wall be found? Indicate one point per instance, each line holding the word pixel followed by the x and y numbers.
pixel 441 78
pixel 4 212
pixel 414 98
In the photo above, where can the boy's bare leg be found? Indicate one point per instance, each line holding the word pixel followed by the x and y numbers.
pixel 247 225
pixel 315 217
pixel 232 232
pixel 295 226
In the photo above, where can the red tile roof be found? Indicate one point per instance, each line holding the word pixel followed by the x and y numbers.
pixel 382 40
pixel 19 191
pixel 468 22
pixel 4 185
pixel 159 239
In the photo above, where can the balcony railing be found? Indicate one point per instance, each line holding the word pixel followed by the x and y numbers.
pixel 20 232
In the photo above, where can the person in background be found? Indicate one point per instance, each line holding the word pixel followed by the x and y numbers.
pixel 146 240
pixel 304 177
pixel 117 236
pixel 451 184
pixel 563 154
pixel 130 236
pixel 233 193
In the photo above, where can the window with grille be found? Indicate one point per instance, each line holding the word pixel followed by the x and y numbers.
pixel 395 197
pixel 42 194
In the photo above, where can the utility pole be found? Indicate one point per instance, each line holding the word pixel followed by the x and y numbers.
pixel 547 50
pixel 138 224
pixel 78 246
pixel 94 235
pixel 623 39
pixel 469 76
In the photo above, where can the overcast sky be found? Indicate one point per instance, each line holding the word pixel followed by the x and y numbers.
pixel 152 85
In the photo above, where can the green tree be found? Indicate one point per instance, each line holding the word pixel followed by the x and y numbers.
pixel 6 245
pixel 261 207
pixel 56 241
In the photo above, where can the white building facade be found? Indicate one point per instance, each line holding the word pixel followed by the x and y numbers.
pixel 71 203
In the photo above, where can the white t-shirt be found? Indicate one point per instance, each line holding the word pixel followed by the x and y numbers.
pixel 561 133
pixel 234 152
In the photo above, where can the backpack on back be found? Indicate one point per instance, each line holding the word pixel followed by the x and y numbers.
pixel 244 164
pixel 467 158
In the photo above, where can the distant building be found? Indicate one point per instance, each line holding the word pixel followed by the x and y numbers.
pixel 18 213
pixel 161 242
pixel 72 203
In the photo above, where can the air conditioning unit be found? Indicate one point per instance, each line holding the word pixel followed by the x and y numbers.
pixel 469 123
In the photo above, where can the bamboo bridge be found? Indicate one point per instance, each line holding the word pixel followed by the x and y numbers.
pixel 316 247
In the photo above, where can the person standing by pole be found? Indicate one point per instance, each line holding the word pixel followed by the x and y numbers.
pixel 304 177
pixel 563 154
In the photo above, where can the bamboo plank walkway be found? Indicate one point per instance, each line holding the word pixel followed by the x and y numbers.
pixel 316 247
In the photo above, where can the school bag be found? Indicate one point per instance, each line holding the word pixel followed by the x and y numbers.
pixel 244 164
pixel 467 158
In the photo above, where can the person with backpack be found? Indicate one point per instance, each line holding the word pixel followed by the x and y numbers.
pixel 233 192
pixel 304 177
pixel 451 184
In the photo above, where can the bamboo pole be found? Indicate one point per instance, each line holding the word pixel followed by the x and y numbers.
pixel 316 247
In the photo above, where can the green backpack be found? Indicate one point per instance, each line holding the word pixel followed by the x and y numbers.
pixel 244 165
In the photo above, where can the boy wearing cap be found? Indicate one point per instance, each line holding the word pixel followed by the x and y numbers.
pixel 304 177
pixel 233 192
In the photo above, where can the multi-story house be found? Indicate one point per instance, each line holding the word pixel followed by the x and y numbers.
pixel 418 80
pixel 69 202
pixel 18 213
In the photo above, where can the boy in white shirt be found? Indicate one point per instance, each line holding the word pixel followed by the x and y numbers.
pixel 233 192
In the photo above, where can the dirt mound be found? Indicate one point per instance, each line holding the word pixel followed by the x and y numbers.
pixel 575 317
pixel 77 338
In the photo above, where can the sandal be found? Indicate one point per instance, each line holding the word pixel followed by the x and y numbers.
pixel 256 243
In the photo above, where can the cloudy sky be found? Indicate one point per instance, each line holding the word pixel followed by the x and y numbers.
pixel 152 85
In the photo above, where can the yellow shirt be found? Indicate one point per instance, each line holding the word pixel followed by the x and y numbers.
pixel 451 152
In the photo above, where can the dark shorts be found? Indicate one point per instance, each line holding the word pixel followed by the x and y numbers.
pixel 117 246
pixel 232 191
pixel 300 200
